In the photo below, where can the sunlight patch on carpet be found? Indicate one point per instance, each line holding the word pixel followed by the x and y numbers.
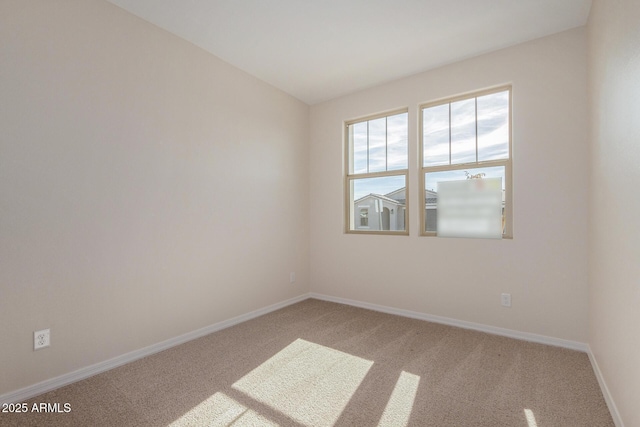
pixel 398 409
pixel 307 382
pixel 220 410
pixel 531 420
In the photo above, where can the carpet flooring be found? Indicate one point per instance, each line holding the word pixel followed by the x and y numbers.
pixel 318 363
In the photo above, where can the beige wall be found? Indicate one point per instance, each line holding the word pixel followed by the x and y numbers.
pixel 614 256
pixel 544 267
pixel 146 188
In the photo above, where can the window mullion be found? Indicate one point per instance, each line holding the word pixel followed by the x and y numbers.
pixel 386 144
pixel 367 146
pixel 476 122
pixel 449 133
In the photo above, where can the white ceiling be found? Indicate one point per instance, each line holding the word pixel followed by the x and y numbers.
pixel 322 49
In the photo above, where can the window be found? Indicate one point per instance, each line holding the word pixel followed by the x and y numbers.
pixel 364 217
pixel 467 137
pixel 376 174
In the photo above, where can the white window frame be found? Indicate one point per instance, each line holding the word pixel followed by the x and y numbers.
pixel 349 177
pixel 506 163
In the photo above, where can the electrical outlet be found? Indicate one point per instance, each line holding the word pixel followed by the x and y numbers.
pixel 506 300
pixel 292 277
pixel 41 339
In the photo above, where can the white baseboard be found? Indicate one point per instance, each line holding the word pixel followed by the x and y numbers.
pixel 605 390
pixel 525 336
pixel 89 371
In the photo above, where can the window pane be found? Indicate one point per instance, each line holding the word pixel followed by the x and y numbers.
pixel 463 131
pixel 364 217
pixel 435 135
pixel 493 126
pixel 382 201
pixel 397 152
pixel 431 180
pixel 377 145
pixel 360 153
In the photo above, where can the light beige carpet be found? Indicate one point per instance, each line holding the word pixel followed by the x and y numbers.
pixel 322 364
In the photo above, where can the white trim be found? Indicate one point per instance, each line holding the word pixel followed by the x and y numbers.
pixel 89 371
pixel 613 409
pixel 83 373
pixel 525 336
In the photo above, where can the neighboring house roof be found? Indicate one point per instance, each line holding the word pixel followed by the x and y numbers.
pixel 430 197
pixel 395 192
pixel 379 196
